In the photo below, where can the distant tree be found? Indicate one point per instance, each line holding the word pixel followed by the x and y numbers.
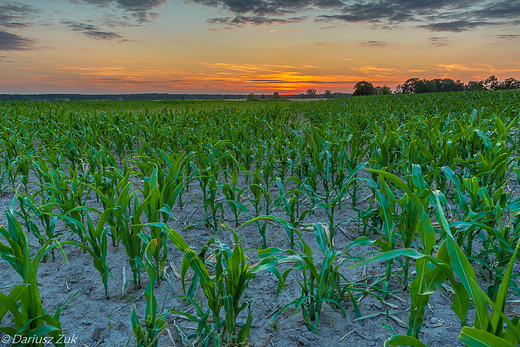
pixel 475 85
pixel 424 86
pixel 239 96
pixel 509 83
pixel 262 96
pixel 407 87
pixel 276 96
pixel 311 93
pixel 327 94
pixel 252 97
pixel 386 90
pixel 491 83
pixel 363 88
pixel 382 90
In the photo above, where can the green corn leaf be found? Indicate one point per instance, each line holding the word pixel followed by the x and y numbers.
pixel 500 301
pixel 472 337
pixel 403 340
pixel 243 333
pixel 465 273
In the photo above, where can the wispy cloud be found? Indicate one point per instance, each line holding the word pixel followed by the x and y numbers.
pixel 16 15
pixel 478 69
pixel 142 10
pixel 455 26
pixel 93 31
pixel 438 41
pixel 508 36
pixel 374 44
pixel 254 20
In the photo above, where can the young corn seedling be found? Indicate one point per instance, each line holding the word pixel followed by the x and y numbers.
pixel 234 195
pixel 267 173
pixel 115 194
pixel 330 203
pixel 497 247
pixel 70 196
pixel 24 303
pixel 290 201
pixel 154 326
pixel 257 191
pixel 319 284
pixel 30 209
pixel 412 218
pixel 487 330
pixel 223 290
pixel 97 246
pixel 157 206
pixel 207 170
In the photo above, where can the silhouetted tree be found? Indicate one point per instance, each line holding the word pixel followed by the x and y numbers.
pixel 363 88
pixel 252 97
pixel 327 94
pixel 475 85
pixel 311 93
pixel 407 87
pixel 491 83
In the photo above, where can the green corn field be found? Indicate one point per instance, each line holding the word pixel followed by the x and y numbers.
pixel 389 220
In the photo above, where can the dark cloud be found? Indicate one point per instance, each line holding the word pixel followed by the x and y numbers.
pixel 454 26
pixel 432 15
pixel 374 44
pixel 93 31
pixel 15 15
pixel 255 20
pixel 13 42
pixel 139 9
pixel 499 10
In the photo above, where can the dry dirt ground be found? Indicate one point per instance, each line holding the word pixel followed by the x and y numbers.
pixel 89 319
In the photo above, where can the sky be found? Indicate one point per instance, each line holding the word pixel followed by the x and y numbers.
pixel 255 46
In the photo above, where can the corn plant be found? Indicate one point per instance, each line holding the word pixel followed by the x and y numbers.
pixel 70 196
pixel 319 284
pixel 154 326
pixel 412 217
pixel 114 193
pixel 330 203
pixel 24 301
pixel 487 329
pixel 257 190
pixel 234 195
pixel 223 290
pixel 30 209
pixel 497 247
pixel 207 172
pixel 290 201
pixel 95 243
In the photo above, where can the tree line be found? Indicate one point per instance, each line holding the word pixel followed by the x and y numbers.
pixel 437 85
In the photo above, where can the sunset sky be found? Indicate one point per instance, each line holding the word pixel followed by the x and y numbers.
pixel 260 46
